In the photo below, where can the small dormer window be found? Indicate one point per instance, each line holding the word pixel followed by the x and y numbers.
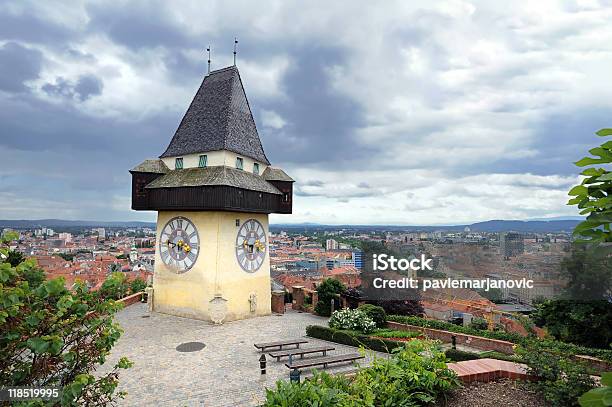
pixel 178 163
pixel 256 169
pixel 239 163
pixel 203 161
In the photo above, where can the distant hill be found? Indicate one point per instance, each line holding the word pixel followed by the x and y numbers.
pixel 525 226
pixel 60 223
pixel 540 226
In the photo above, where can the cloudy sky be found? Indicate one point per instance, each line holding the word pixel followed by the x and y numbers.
pixel 399 112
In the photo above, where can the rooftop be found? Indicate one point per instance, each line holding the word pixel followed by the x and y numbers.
pixel 219 118
pixel 217 175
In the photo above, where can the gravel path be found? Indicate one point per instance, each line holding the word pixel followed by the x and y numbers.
pixel 505 393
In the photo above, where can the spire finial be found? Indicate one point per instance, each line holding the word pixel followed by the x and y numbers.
pixel 235 45
pixel 208 50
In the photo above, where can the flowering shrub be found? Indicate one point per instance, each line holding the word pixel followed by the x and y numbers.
pixel 352 319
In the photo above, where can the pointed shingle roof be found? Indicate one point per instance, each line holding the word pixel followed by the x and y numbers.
pixel 219 118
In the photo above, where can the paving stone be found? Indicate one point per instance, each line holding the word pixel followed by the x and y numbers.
pixel 225 372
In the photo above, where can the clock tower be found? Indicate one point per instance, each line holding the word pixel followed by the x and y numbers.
pixel 213 188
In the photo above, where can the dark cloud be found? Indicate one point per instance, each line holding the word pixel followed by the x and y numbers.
pixel 557 141
pixel 18 64
pixel 138 25
pixel 321 123
pixel 85 87
pixel 27 27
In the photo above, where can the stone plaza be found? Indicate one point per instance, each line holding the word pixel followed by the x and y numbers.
pixel 224 373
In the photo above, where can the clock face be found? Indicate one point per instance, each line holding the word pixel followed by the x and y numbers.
pixel 179 244
pixel 251 245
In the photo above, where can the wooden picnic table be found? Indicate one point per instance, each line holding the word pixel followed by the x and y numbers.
pixel 279 344
pixel 301 352
pixel 324 361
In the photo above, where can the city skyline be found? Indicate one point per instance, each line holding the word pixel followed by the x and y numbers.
pixel 442 121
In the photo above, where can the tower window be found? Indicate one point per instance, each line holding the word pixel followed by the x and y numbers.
pixel 178 163
pixel 256 169
pixel 239 163
pixel 203 161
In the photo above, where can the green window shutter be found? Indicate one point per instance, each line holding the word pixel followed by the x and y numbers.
pixel 239 163
pixel 178 163
pixel 256 169
pixel 203 161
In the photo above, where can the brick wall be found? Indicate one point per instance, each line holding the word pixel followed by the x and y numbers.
pixel 462 339
pixel 278 302
pixel 131 299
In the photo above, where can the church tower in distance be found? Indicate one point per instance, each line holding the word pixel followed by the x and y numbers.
pixel 213 189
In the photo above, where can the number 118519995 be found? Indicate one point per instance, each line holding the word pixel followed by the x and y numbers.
pixel 29 393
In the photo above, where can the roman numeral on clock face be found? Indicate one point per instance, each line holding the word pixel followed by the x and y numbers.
pixel 251 245
pixel 179 244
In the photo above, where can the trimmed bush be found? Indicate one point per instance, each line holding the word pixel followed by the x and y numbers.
pixel 352 338
pixel 352 319
pixel 393 333
pixel 457 355
pixel 378 314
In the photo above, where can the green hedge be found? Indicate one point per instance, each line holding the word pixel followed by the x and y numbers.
pixel 456 355
pixel 554 345
pixel 352 338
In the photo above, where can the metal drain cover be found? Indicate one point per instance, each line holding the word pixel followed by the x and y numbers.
pixel 190 347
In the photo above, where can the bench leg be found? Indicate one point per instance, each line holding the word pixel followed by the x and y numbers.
pixel 324 365
pixel 324 353
pixel 302 356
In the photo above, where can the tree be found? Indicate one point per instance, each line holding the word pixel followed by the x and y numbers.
pixel 594 195
pixel 585 323
pixel 53 337
pixel 15 257
pixel 329 289
pixel 587 271
pixel 137 285
pixel 115 287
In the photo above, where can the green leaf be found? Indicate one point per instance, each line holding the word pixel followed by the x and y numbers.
pixel 601 152
pixel 593 398
pixel 604 132
pixel 593 172
pixel 578 190
pixel 37 345
pixel 606 379
pixel 605 177
pixel 590 161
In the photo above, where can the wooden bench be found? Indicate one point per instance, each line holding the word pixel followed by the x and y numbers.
pixel 304 351
pixel 279 344
pixel 351 357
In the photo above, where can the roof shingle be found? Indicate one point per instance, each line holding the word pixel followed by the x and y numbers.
pixel 217 175
pixel 219 118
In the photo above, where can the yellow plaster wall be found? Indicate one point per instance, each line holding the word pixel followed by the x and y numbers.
pixel 216 270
